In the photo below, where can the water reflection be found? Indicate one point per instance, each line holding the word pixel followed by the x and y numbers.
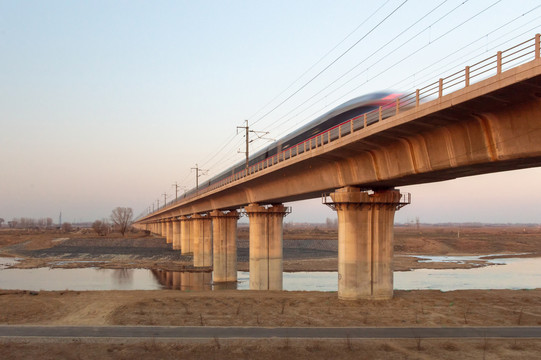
pixel 183 280
pixel 123 276
pixel 516 273
pixel 6 262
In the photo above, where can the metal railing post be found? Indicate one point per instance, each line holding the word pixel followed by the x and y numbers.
pixel 499 63
pixel 537 46
pixel 380 110
pixel 417 98
pixel 467 75
pixel 397 105
pixel 440 92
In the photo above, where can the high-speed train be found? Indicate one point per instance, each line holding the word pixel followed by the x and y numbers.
pixel 340 114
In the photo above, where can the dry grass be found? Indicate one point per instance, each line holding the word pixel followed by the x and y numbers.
pixel 270 349
pixel 271 308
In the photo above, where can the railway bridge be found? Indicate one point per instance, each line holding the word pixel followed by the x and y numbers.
pixel 484 118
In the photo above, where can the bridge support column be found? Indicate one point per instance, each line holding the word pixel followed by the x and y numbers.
pixel 176 234
pixel 365 242
pixel 185 227
pixel 169 231
pixel 266 253
pixel 202 240
pixel 163 228
pixel 224 240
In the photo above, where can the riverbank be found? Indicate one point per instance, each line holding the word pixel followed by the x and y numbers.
pixel 307 248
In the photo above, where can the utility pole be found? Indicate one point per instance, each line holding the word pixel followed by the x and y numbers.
pixel 198 173
pixel 247 152
pixel 176 190
pixel 259 135
pixel 158 204
pixel 164 199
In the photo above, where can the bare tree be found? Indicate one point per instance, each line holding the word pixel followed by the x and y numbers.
pixel 66 227
pixel 1 221
pixel 42 223
pixel 101 227
pixel 122 218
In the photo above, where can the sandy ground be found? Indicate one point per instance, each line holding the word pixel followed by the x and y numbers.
pixel 314 250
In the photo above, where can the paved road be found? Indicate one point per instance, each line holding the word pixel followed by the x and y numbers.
pixel 259 332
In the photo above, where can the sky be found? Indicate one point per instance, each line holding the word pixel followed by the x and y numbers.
pixel 110 103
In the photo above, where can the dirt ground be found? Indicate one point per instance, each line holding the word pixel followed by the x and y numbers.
pixel 271 349
pixel 305 249
pixel 270 309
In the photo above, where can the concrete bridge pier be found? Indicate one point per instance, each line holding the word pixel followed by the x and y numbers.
pixel 192 226
pixel 266 239
pixel 185 280
pixel 185 227
pixel 365 242
pixel 176 234
pixel 224 240
pixel 169 231
pixel 163 228
pixel 202 240
pixel 176 280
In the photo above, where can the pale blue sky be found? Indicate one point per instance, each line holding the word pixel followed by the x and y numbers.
pixel 108 103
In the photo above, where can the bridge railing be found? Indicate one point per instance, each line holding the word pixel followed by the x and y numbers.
pixel 492 66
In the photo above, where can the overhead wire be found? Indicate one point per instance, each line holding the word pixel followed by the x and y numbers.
pixel 456 52
pixel 424 46
pixel 302 75
pixel 327 67
pixel 321 58
pixel 354 77
pixel 331 64
pixel 388 68
pixel 359 63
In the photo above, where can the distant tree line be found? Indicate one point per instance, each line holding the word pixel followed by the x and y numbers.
pixel 28 223
pixel 331 223
pixel 121 218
